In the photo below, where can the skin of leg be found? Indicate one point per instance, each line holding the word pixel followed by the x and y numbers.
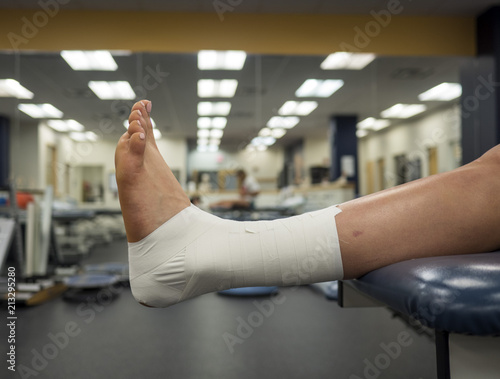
pixel 148 191
pixel 456 212
pixel 451 213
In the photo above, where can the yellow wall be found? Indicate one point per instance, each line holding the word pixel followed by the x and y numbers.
pixel 255 33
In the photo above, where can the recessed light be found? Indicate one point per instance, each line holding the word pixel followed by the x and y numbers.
pixel 319 88
pixel 98 60
pixel 118 90
pixel 442 92
pixel 65 125
pixel 403 110
pixel 221 60
pixel 300 108
pixel 217 88
pixel 83 136
pixel 361 133
pixel 373 124
pixel 283 122
pixel 40 110
pixel 203 133
pixel 207 108
pixel 347 61
pixel 212 122
pixel 12 88
pixel 216 133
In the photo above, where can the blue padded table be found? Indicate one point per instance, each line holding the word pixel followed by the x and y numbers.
pixel 458 297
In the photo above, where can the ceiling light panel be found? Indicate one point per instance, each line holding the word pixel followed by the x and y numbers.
pixel 12 88
pixel 319 88
pixel 207 108
pixel 217 88
pixel 403 110
pixel 40 110
pixel 221 60
pixel 99 60
pixel 372 123
pixel 347 61
pixel 299 108
pixel 119 90
pixel 65 125
pixel 283 122
pixel 442 92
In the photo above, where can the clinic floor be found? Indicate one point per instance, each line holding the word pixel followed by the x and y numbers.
pixel 304 336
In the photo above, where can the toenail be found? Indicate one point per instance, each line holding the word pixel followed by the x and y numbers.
pixel 140 114
pixel 139 122
pixel 148 107
pixel 142 136
pixel 142 103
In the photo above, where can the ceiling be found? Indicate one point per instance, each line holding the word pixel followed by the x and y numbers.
pixel 264 84
pixel 423 7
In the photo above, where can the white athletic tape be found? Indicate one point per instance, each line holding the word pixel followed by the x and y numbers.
pixel 196 252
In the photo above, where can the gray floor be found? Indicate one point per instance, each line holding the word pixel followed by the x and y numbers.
pixel 214 336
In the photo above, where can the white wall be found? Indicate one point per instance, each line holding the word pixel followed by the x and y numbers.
pixel 440 129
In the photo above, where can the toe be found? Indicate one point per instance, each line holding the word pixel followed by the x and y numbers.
pixel 137 143
pixel 141 113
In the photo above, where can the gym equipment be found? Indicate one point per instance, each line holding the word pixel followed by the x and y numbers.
pixel 91 288
pixel 455 297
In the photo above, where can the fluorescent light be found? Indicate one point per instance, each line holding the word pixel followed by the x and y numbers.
pixel 278 132
pixel 216 133
pixel 361 133
pixel 40 110
pixel 266 141
pixel 125 123
pixel 203 133
pixel 319 88
pixel 275 133
pixel 221 108
pixel 119 90
pixel 403 110
pixel 372 123
pixel 301 108
pixel 212 122
pixel 99 60
pixel 217 88
pixel 221 60
pixel 65 125
pixel 83 136
pixel 442 92
pixel 283 122
pixel 202 141
pixel 12 88
pixel 347 61
pixel 214 141
pixel 265 132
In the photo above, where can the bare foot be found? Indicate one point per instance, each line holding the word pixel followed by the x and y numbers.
pixel 148 191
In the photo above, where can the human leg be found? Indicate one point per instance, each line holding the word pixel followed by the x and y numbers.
pixel 451 213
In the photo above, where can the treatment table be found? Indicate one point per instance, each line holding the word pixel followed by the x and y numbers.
pixel 456 298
